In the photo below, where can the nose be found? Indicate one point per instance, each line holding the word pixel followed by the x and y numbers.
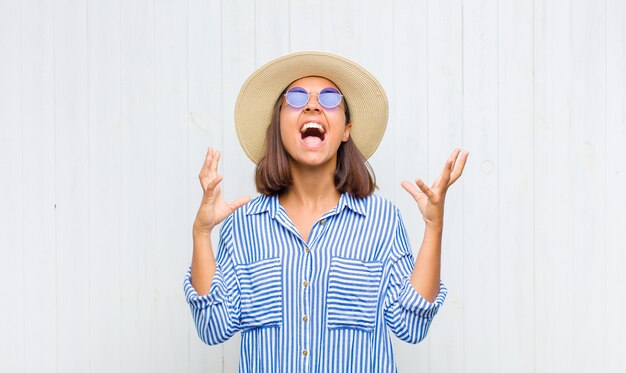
pixel 313 104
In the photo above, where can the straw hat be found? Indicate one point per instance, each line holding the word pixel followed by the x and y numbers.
pixel 365 96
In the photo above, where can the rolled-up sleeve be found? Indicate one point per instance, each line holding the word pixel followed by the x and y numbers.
pixel 407 313
pixel 216 315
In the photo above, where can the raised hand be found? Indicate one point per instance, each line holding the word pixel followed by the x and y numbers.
pixel 431 200
pixel 213 209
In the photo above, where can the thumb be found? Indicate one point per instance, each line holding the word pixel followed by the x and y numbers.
pixel 240 201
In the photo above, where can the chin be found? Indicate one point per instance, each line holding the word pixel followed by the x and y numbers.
pixel 312 161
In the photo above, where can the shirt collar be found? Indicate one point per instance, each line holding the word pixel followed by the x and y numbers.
pixel 261 204
pixel 270 204
pixel 355 204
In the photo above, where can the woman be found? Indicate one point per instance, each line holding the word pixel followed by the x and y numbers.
pixel 316 270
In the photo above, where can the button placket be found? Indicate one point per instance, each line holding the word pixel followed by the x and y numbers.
pixel 306 296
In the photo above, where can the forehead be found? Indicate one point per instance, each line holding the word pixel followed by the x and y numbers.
pixel 312 82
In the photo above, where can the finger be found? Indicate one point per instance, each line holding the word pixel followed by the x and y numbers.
pixel 411 188
pixel 207 161
pixel 211 185
pixel 458 170
pixel 424 188
pixel 204 171
pixel 444 177
pixel 214 162
pixel 240 201
pixel 417 192
pixel 453 156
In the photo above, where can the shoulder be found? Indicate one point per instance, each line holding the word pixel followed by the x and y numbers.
pixel 257 206
pixel 378 206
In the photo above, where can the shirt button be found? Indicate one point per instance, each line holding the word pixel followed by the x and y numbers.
pixel 307 250
pixel 305 283
pixel 305 318
pixel 305 352
pixel 323 222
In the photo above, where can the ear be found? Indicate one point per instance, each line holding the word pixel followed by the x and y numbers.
pixel 346 132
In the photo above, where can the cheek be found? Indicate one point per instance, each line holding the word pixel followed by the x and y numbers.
pixel 284 130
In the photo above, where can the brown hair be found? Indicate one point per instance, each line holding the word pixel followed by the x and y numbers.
pixel 353 174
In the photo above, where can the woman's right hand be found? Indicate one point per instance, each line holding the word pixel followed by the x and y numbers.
pixel 213 209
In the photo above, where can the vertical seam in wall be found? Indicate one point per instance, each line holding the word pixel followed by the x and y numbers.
pixel 154 146
pixel 221 88
pixel 22 172
pixel 254 16
pixel 462 199
pixel 221 111
pixel 427 113
pixel 393 105
pixel 569 119
pixel 187 168
pixel 119 199
pixel 606 171
pixel 54 193
pixel 498 159
pixel 534 240
pixel 534 287
pixel 394 92
pixel 22 168
pixel 89 248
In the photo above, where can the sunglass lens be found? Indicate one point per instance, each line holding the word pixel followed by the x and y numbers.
pixel 329 98
pixel 297 97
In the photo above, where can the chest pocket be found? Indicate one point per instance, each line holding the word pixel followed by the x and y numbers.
pixel 261 293
pixel 353 292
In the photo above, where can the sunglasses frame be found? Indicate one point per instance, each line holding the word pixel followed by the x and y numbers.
pixel 318 95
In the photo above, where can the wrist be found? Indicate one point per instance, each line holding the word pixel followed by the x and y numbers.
pixel 201 231
pixel 434 227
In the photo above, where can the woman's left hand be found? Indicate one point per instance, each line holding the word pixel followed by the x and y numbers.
pixel 431 200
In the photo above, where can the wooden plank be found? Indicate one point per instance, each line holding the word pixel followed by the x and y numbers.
pixel 170 319
pixel 588 169
pixel 204 129
pixel 516 185
pixel 105 189
pixel 238 62
pixel 444 133
pixel 12 228
pixel 138 196
pixel 304 34
pixel 337 35
pixel 271 29
pixel 38 185
pixel 408 113
pixel 72 188
pixel 615 183
pixel 481 262
pixel 553 200
pixel 373 48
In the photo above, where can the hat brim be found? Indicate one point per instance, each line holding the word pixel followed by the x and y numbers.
pixel 366 98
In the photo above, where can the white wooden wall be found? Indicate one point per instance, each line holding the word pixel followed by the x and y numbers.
pixel 107 109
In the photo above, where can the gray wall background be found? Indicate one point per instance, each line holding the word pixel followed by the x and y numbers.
pixel 107 109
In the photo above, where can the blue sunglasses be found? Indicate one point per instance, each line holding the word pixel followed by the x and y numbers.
pixel 298 97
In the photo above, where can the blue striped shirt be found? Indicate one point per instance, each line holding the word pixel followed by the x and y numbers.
pixel 325 305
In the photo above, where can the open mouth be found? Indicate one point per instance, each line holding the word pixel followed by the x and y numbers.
pixel 312 134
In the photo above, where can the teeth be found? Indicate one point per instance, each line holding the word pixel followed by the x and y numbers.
pixel 312 125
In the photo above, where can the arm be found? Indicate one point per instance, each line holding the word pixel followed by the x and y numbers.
pixel 213 210
pixel 210 284
pixel 203 262
pixel 426 273
pixel 216 314
pixel 407 313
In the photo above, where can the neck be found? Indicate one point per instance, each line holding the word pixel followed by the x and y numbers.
pixel 312 188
